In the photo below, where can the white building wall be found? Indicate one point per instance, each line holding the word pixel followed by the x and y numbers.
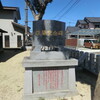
pixel 81 42
pixel 6 24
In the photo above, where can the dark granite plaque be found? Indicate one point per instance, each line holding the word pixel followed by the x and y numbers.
pixel 49 33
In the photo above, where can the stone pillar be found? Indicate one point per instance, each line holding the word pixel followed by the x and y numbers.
pixel 97 89
pixel 92 57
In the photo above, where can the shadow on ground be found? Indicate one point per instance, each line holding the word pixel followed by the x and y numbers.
pixel 7 54
pixel 86 77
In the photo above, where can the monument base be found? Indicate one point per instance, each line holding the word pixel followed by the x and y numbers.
pixel 49 78
pixel 52 95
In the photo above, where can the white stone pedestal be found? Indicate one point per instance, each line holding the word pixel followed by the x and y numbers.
pixel 49 76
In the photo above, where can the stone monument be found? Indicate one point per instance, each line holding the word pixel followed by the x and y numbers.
pixel 49 72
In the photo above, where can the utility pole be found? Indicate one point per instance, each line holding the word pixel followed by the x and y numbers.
pixel 26 22
pixel 78 41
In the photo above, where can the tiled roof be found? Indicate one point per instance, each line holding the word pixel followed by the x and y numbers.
pixel 71 29
pixel 82 22
pixel 86 32
pixel 12 9
pixel 20 26
pixel 92 19
pixel 3 31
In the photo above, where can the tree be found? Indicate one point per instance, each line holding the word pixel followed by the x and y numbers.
pixel 38 7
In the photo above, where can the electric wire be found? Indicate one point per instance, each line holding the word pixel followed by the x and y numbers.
pixel 68 10
pixel 63 8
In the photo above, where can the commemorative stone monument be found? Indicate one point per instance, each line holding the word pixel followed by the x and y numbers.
pixel 49 72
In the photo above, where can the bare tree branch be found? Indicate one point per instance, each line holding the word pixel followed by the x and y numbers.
pixel 38 7
pixel 30 6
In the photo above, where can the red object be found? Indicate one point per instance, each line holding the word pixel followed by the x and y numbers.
pixel 71 42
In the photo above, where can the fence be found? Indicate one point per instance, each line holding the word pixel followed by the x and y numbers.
pixel 88 61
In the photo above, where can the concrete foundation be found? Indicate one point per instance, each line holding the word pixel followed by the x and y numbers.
pixel 49 78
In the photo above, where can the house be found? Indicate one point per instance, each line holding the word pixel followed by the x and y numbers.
pixel 9 17
pixel 1 32
pixel 89 23
pixel 81 35
pixel 82 24
pixel 85 33
pixel 89 28
pixel 71 29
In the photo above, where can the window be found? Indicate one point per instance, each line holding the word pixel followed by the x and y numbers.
pixel 97 26
pixel 19 41
pixel 84 26
pixel 0 42
pixel 7 43
pixel 73 36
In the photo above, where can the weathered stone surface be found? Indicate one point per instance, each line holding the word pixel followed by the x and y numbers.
pixel 49 77
pixel 52 55
pixel 50 80
pixel 49 63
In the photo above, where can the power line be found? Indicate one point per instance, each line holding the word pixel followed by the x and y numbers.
pixel 74 4
pixel 64 8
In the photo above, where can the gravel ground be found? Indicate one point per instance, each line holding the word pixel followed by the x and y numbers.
pixel 12 78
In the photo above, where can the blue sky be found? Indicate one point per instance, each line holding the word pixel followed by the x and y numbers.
pixel 85 8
